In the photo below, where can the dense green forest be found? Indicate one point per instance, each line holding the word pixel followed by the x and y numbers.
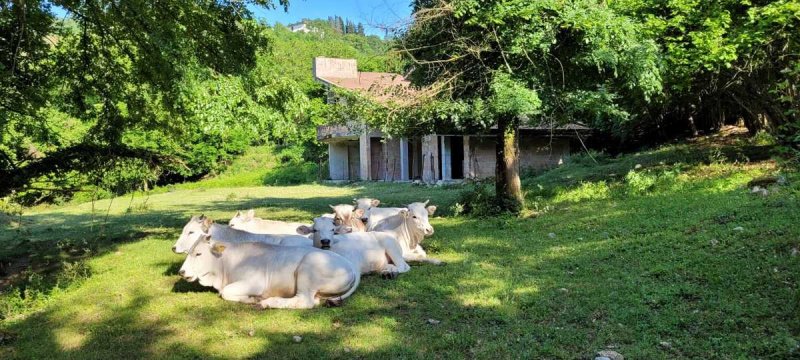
pixel 106 132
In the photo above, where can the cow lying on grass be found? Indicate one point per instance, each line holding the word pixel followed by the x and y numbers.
pixel 370 252
pixel 249 222
pixel 349 216
pixel 366 204
pixel 409 225
pixel 204 225
pixel 271 276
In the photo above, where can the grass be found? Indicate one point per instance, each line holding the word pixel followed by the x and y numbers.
pixel 678 260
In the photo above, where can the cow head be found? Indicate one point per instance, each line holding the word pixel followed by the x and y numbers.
pixel 344 215
pixel 323 231
pixel 417 215
pixel 196 225
pixel 365 205
pixel 241 218
pixel 202 262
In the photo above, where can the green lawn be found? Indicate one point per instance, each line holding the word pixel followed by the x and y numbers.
pixel 673 260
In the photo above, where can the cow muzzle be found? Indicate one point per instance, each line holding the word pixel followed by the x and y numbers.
pixel 326 244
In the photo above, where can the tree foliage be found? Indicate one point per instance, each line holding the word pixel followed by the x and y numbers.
pixel 119 96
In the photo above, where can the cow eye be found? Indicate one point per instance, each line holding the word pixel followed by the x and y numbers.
pixel 198 254
pixel 191 232
pixel 415 216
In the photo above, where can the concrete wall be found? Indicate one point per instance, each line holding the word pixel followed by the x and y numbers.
pixel 343 160
pixel 540 152
pixel 430 159
pixel 482 156
pixel 335 68
pixel 338 160
pixel 536 152
pixel 385 159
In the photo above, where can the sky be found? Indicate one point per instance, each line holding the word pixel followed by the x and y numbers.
pixel 374 14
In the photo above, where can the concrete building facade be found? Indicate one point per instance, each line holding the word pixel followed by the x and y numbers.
pixel 359 153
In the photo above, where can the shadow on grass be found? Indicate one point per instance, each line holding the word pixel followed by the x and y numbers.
pixel 628 276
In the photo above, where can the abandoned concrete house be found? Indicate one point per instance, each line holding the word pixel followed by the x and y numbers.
pixel 358 153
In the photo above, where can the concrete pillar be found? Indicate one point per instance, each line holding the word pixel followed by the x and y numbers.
pixel 404 159
pixel 467 160
pixel 337 161
pixel 364 152
pixel 430 158
pixel 447 171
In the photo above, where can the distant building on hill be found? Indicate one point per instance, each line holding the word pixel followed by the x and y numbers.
pixel 356 152
pixel 300 27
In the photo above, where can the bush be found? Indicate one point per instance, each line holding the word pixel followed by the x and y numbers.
pixel 37 288
pixel 479 200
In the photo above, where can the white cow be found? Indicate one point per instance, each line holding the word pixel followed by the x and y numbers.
pixel 271 276
pixel 348 215
pixel 204 225
pixel 366 204
pixel 409 226
pixel 249 222
pixel 369 251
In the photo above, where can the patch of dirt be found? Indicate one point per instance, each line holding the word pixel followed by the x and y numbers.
pixel 10 272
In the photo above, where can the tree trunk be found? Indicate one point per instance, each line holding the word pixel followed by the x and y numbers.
pixel 508 187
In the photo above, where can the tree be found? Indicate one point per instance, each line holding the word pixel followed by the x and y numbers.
pixel 119 67
pixel 501 61
pixel 340 24
pixel 724 61
pixel 360 29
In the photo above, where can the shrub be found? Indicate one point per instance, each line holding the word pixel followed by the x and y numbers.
pixel 291 154
pixel 639 183
pixel 479 200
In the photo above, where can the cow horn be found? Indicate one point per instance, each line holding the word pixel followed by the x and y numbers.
pixel 426 202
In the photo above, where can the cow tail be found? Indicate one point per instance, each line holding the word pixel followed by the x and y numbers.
pixel 337 301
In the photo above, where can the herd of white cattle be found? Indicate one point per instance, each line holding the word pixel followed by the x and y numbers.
pixel 278 264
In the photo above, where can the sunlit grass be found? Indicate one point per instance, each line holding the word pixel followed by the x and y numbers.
pixel 609 264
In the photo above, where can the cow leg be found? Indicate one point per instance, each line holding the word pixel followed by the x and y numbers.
pixel 395 255
pixel 389 272
pixel 301 301
pixel 239 291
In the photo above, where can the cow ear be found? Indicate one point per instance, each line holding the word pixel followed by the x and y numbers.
pixel 304 230
pixel 251 213
pixel 404 212
pixel 238 214
pixel 201 217
pixel 217 249
pixel 376 202
pixel 207 224
pixel 207 238
pixel 355 201
pixel 431 209
pixel 358 213
pixel 347 229
pixel 332 207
